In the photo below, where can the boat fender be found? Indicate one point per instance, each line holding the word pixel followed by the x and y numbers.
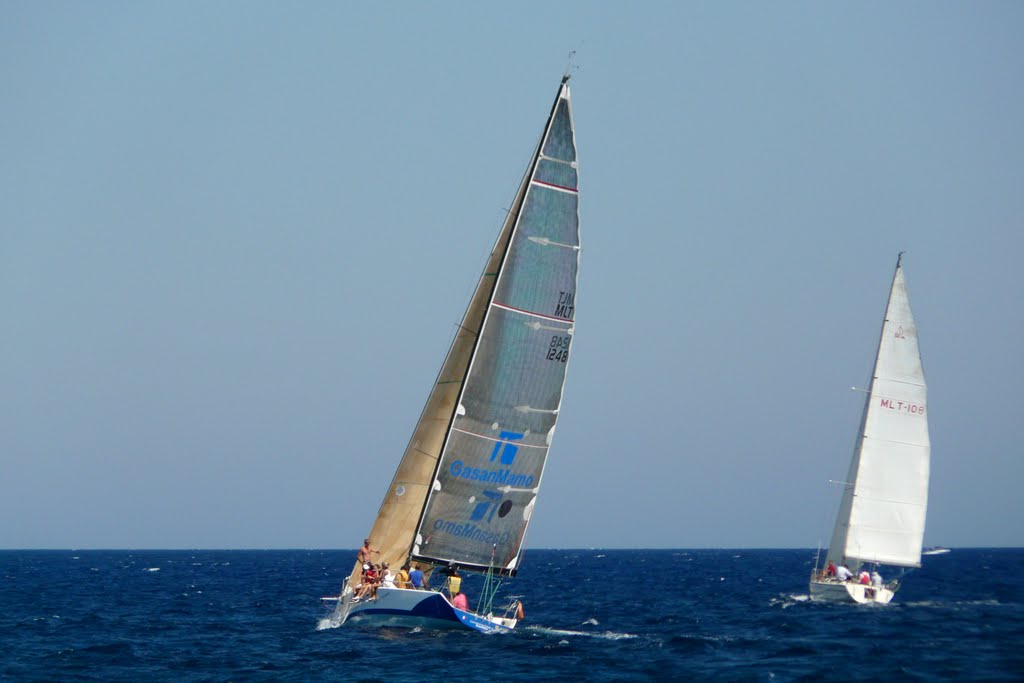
pixel 520 614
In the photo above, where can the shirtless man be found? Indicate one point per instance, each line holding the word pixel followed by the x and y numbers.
pixel 366 552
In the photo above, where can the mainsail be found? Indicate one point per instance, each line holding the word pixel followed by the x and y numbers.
pixel 882 514
pixel 465 488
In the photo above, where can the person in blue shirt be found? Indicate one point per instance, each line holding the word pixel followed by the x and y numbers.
pixel 419 581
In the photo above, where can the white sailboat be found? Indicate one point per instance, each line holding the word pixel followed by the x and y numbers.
pixel 465 489
pixel 882 513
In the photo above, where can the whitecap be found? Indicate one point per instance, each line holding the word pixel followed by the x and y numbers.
pixel 151 569
pixel 590 622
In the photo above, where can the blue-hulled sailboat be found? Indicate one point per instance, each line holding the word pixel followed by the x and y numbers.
pixel 465 489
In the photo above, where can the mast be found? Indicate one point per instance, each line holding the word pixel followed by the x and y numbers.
pixel 882 513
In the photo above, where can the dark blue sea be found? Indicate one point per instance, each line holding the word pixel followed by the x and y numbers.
pixel 210 615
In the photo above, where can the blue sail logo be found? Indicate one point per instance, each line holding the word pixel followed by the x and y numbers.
pixel 505 447
pixel 487 506
pixel 493 504
pixel 505 454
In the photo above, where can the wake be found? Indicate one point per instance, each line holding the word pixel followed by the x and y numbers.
pixel 604 635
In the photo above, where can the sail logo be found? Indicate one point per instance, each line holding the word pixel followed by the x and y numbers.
pixel 505 447
pixel 491 502
pixel 503 476
pixel 488 507
pixel 505 454
pixel 899 332
pixel 471 532
pixel 902 406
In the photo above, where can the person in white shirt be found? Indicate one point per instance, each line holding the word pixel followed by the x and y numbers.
pixel 843 573
pixel 388 580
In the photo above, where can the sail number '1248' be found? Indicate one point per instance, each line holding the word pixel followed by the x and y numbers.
pixel 559 348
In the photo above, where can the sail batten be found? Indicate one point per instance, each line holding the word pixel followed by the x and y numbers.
pixel 881 516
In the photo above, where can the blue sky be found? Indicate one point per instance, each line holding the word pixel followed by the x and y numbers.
pixel 236 238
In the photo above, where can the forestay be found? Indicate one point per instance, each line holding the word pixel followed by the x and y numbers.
pixel 882 515
pixel 495 448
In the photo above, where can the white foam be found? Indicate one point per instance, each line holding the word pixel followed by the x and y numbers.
pixel 590 622
pixel 151 569
pixel 788 600
pixel 605 635
pixel 327 623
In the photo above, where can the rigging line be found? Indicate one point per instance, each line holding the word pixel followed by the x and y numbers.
pixel 901 381
pixel 886 500
pixel 536 315
pixel 902 443
pixel 570 66
pixel 519 444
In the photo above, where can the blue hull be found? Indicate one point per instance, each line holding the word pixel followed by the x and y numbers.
pixel 411 608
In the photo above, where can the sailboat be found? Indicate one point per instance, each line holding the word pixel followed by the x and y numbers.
pixel 465 489
pixel 885 496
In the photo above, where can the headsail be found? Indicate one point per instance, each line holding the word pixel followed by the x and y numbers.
pixel 489 473
pixel 882 514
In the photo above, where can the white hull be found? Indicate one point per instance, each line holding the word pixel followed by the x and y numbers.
pixel 838 591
